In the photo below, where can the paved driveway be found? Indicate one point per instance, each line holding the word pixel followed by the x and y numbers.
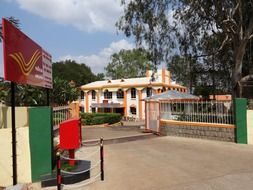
pixel 171 163
pixel 90 133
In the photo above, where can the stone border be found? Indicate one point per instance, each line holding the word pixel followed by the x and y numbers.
pixel 212 133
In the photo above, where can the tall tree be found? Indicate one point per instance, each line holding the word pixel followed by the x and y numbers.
pixel 69 70
pixel 128 64
pixel 184 70
pixel 229 21
pixel 148 22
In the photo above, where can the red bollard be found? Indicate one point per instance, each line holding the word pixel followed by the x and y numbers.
pixel 58 177
pixel 102 159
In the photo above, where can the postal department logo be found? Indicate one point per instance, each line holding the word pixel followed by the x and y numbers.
pixel 25 67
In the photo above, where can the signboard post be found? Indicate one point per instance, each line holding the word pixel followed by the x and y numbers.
pixel 25 62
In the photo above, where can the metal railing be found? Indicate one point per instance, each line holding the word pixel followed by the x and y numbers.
pixel 198 111
pixel 60 114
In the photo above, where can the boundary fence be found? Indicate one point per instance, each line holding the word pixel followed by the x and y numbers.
pixel 192 118
pixel 220 112
pixel 60 114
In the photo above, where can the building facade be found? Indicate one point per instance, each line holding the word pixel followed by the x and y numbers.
pixel 126 96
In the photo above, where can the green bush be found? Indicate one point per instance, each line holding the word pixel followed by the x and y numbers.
pixel 100 118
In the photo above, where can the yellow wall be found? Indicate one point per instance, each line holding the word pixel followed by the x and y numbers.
pixel 21 117
pixel 6 159
pixel 250 126
pixel 23 148
pixel 23 155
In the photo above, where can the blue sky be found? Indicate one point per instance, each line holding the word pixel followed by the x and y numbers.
pixel 82 30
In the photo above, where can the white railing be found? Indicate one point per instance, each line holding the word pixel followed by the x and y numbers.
pixel 198 111
pixel 60 114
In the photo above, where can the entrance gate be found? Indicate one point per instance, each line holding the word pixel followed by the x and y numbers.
pixel 152 116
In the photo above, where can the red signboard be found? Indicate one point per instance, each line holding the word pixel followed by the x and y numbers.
pixel 25 61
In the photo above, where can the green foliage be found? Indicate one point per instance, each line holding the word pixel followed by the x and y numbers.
pixel 148 22
pixel 4 87
pixel 63 92
pixel 69 70
pixel 179 69
pixel 209 76
pixel 128 64
pixel 100 118
pixel 26 95
pixel 216 34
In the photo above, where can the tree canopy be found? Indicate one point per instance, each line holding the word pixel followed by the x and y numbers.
pixel 62 93
pixel 201 30
pixel 128 64
pixel 69 70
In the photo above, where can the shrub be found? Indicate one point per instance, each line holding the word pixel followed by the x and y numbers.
pixel 100 118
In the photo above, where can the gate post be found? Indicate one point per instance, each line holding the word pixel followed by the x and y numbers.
pixel 240 112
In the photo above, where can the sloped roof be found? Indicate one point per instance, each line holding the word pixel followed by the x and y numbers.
pixel 172 95
pixel 123 83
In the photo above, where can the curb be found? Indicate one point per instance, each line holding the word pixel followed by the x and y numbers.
pixel 122 139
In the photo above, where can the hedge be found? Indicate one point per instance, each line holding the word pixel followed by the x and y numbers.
pixel 100 118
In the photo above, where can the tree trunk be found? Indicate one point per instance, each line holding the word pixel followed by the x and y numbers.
pixel 237 71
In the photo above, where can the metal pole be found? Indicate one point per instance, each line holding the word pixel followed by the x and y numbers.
pixel 52 130
pixel 102 158
pixel 14 141
pixel 58 171
pixel 80 126
pixel 48 101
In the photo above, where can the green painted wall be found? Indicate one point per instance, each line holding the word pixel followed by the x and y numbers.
pixel 241 120
pixel 40 124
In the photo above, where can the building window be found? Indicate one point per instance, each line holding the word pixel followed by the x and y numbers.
pixel 133 110
pixel 107 110
pixel 133 93
pixel 107 94
pixel 93 110
pixel 93 94
pixel 120 94
pixel 82 109
pixel 149 92
pixel 82 95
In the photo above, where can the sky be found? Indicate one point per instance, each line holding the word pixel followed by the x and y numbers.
pixel 81 30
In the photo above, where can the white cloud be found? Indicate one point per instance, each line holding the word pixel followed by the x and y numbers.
pixel 86 15
pixel 97 62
